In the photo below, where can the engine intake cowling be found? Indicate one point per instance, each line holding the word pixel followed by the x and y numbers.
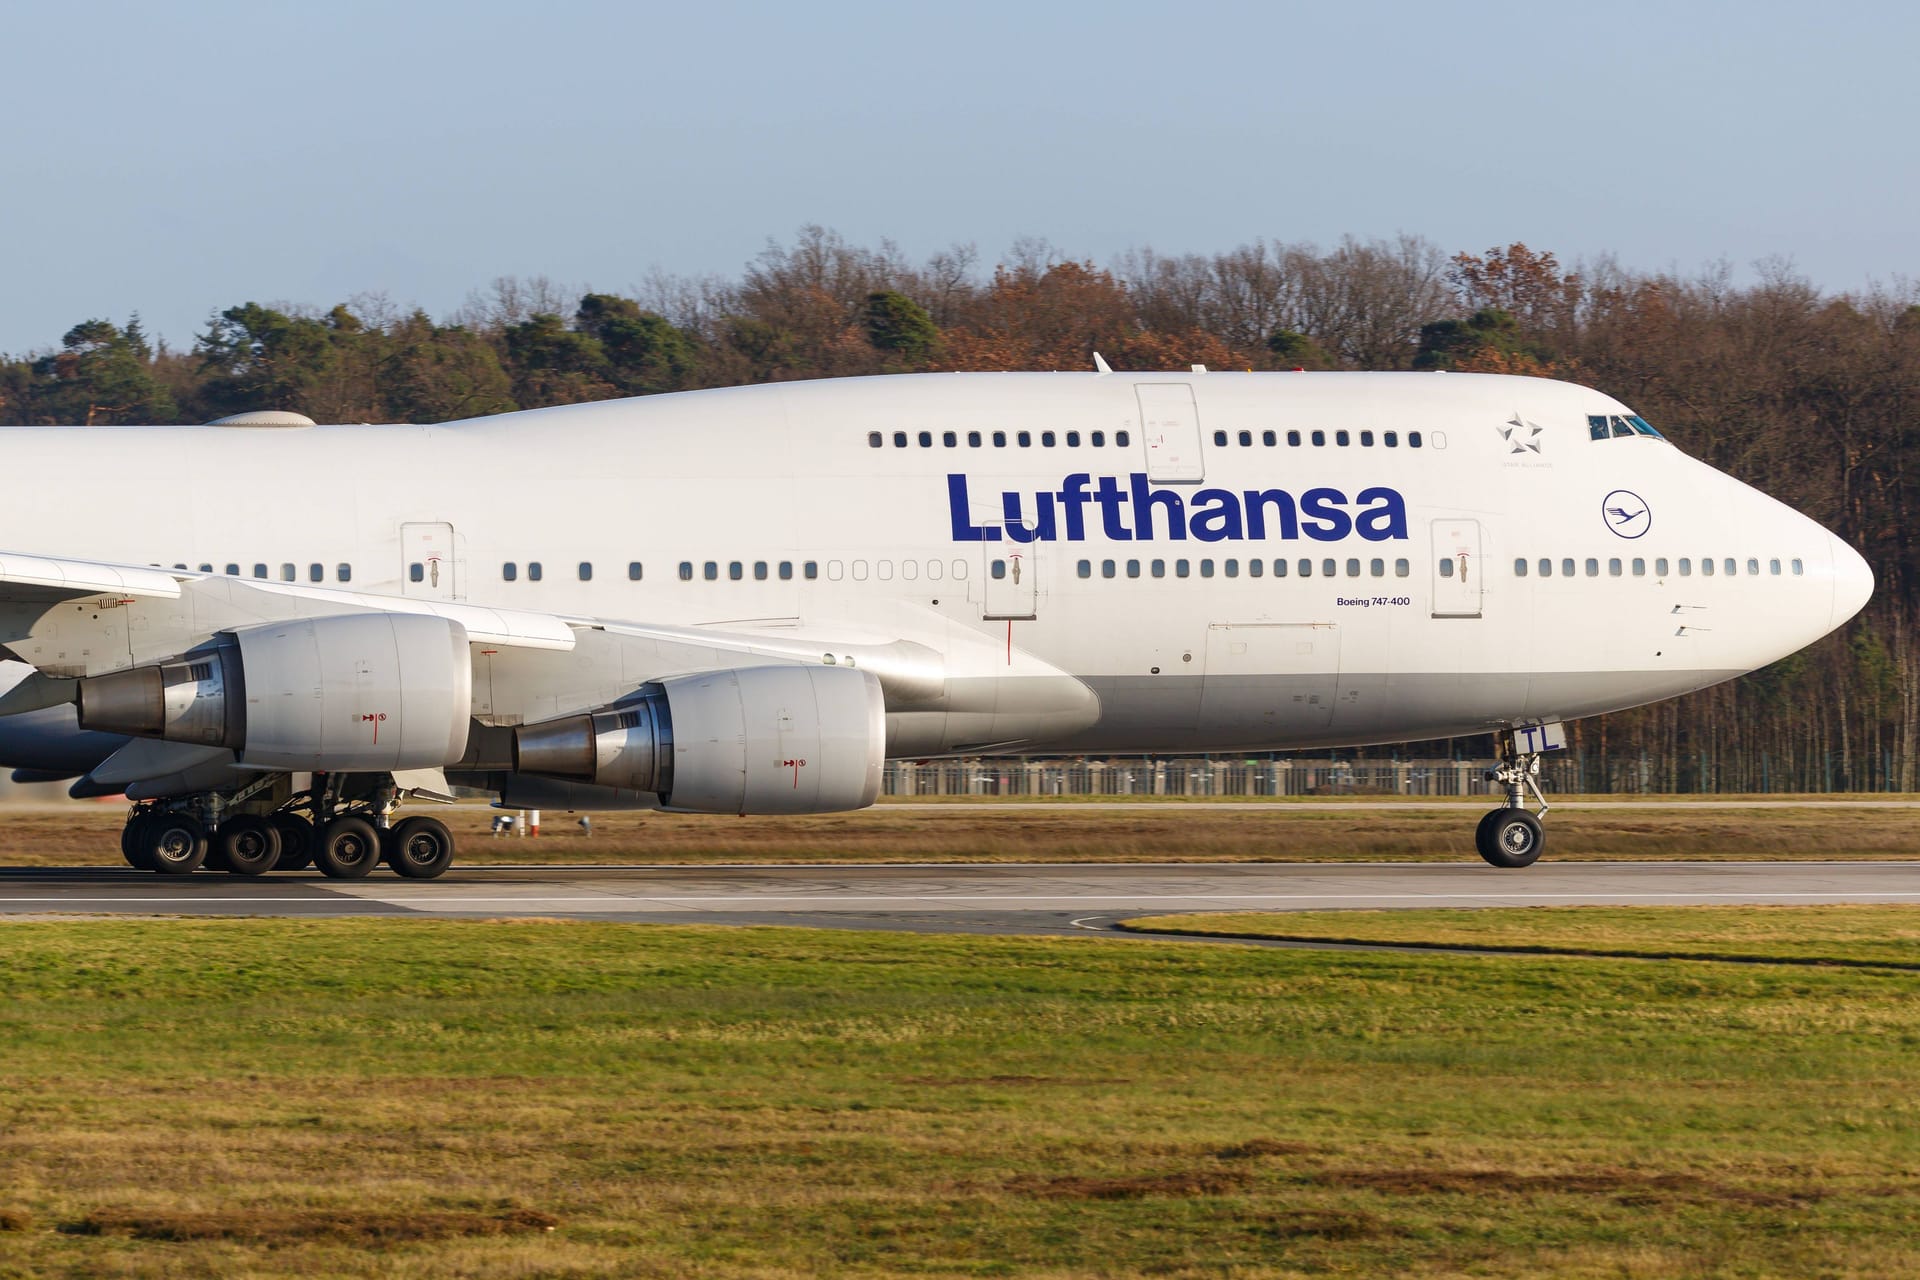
pixel 775 739
pixel 362 692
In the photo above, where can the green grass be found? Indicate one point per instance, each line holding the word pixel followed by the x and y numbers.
pixel 1845 935
pixel 403 1098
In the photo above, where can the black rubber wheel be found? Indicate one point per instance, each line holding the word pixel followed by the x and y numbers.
pixel 132 843
pixel 248 846
pixel 420 848
pixel 176 842
pixel 1511 838
pixel 348 849
pixel 296 841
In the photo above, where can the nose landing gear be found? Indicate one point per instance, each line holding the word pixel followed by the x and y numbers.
pixel 1509 837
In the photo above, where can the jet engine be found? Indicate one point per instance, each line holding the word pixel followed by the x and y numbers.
pixel 363 692
pixel 774 739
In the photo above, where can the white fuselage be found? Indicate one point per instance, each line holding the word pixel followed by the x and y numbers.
pixel 1245 620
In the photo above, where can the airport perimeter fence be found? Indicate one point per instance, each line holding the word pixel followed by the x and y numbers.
pixel 1572 773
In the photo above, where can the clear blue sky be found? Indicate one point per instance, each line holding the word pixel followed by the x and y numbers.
pixel 176 159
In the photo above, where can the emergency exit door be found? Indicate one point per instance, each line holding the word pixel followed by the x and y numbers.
pixel 427 562
pixel 1012 579
pixel 1458 574
pixel 1170 427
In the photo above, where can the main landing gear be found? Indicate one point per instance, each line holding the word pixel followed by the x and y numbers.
pixel 342 825
pixel 1509 837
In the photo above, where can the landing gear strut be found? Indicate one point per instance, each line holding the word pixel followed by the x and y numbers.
pixel 1509 837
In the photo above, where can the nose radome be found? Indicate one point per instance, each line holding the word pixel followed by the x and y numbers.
pixel 1852 582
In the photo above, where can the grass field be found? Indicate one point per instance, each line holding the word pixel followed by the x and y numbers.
pixel 1143 832
pixel 512 1099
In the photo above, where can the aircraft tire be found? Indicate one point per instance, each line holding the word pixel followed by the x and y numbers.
pixel 1510 839
pixel 348 849
pixel 248 846
pixel 175 842
pixel 296 841
pixel 420 848
pixel 131 847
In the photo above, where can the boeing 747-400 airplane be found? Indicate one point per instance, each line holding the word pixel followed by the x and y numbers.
pixel 746 600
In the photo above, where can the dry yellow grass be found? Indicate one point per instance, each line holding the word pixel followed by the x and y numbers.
pixel 1143 832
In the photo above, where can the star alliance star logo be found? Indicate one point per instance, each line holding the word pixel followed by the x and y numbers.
pixel 1522 436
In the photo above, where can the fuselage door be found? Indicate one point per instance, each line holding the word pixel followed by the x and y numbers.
pixel 428 567
pixel 1012 577
pixel 1170 426
pixel 1457 569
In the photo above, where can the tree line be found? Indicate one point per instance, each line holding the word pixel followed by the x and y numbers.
pixel 1810 395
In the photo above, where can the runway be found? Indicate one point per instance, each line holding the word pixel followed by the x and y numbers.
pixel 952 898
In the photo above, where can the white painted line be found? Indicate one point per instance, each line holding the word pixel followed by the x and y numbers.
pixel 1042 901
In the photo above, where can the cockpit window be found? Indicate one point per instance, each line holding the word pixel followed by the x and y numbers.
pixel 1602 426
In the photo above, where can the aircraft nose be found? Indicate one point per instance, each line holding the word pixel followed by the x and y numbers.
pixel 1852 582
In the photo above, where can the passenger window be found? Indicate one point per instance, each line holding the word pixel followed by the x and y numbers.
pixel 1246 439
pixel 1328 568
pixel 1279 568
pixel 233 570
pixel 759 570
pixel 1120 439
pixel 835 570
pixel 286 572
pixel 859 570
pixel 1133 568
pixel 883 569
pixel 973 439
pixel 1798 568
pixel 1660 567
pixel 416 572
pixel 1206 568
pixel 1256 568
pixel 1306 567
pixel 1773 567
pixel 1233 568
pixel 1615 568
pixel 786 571
pixel 1353 568
pixel 1026 439
pixel 1098 439
pixel 899 439
pixel 711 571
pixel 345 572
pixel 1319 438
pixel 1341 438
pixel 1391 439
pixel 316 573
pixel 933 569
pixel 586 571
pixel 206 568
pixel 1639 567
pixel 1413 439
pixel 1593 567
pixel 1546 567
pixel 1220 437
pixel 1566 567
pixel 926 439
pixel 1107 568
pixel 1182 568
pixel 1731 565
pixel 999 439
pixel 633 571
pixel 1269 439
pixel 533 571
pixel 1366 439
pixel 1520 568
pixel 1159 568
pixel 686 571
pixel 949 439
pixel 1086 568
pixel 1293 439
pixel 1046 439
pixel 810 570
pixel 999 569
pixel 1446 566
pixel 1073 439
pixel 1753 566
pixel 873 440
pixel 1686 567
pixel 959 570
pixel 508 571
pixel 1706 566
pixel 1401 568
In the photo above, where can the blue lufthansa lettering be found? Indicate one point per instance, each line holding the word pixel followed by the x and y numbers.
pixel 1131 509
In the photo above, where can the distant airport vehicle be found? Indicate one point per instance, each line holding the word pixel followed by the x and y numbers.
pixel 746 600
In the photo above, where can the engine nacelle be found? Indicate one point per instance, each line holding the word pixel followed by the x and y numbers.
pixel 360 692
pixel 774 739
